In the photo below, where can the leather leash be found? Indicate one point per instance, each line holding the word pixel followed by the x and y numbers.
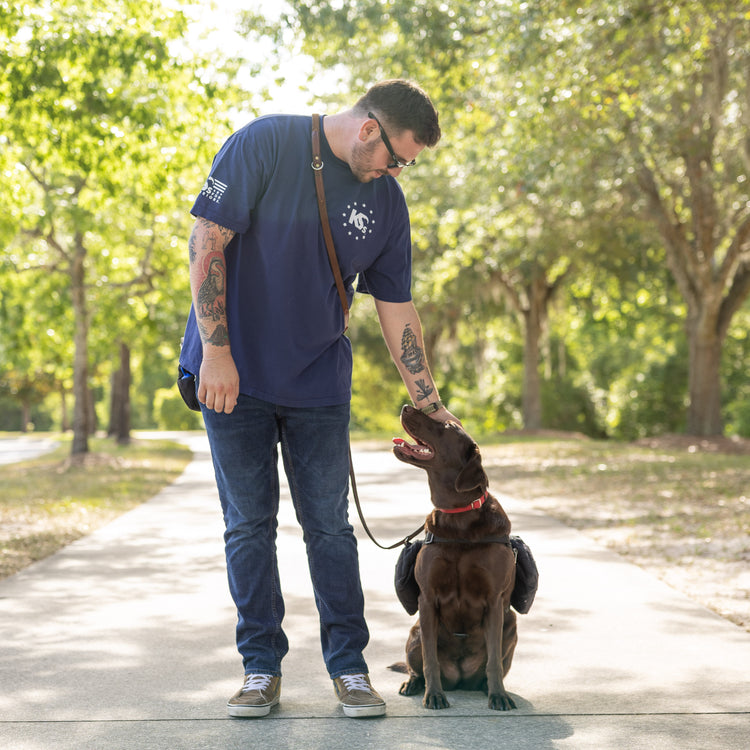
pixel 403 541
pixel 317 165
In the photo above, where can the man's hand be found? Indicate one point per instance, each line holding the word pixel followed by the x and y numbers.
pixel 443 415
pixel 219 383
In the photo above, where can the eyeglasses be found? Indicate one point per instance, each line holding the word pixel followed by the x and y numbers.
pixel 397 163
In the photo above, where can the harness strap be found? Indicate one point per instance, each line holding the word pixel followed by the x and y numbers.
pixel 430 538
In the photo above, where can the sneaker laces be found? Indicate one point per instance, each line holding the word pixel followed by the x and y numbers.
pixel 256 682
pixel 356 682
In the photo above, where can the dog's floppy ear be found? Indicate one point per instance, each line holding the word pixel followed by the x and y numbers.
pixel 472 475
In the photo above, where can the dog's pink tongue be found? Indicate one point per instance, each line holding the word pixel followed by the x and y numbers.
pixel 399 441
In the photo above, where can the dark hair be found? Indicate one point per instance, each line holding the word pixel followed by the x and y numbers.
pixel 403 105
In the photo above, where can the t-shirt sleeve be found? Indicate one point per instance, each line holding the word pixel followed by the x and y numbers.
pixel 237 179
pixel 389 277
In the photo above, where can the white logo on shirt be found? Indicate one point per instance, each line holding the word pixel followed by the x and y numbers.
pixel 358 220
pixel 213 189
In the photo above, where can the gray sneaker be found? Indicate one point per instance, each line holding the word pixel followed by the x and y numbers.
pixel 256 697
pixel 358 697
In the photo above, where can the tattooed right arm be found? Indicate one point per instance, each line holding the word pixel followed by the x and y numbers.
pixel 402 332
pixel 208 281
pixel 219 381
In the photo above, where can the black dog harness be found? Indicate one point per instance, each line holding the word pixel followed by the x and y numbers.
pixel 430 538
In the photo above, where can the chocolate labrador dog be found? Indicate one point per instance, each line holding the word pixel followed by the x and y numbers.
pixel 466 632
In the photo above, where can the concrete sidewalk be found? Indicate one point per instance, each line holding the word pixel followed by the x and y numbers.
pixel 24 448
pixel 125 640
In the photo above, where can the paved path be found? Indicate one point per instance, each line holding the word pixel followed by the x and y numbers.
pixel 125 640
pixel 17 449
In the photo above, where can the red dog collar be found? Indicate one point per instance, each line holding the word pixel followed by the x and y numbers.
pixel 478 503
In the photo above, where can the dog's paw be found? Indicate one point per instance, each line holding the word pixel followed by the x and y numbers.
pixel 413 686
pixel 435 701
pixel 501 702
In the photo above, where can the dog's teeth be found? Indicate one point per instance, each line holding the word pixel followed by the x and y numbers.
pixel 418 449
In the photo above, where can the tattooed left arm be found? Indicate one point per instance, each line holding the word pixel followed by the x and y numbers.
pixel 402 331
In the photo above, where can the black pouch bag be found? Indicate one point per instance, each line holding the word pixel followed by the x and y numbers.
pixel 524 590
pixel 527 577
pixel 407 588
pixel 186 386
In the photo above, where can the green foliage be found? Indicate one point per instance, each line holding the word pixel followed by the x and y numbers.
pixel 735 366
pixel 555 117
pixel 566 406
pixel 13 418
pixel 651 401
pixel 576 136
pixel 377 392
pixel 106 136
pixel 170 412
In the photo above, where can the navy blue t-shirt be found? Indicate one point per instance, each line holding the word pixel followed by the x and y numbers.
pixel 284 316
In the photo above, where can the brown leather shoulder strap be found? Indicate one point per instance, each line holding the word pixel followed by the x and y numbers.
pixel 317 165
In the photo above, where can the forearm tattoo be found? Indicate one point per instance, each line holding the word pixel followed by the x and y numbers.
pixel 210 300
pixel 191 248
pixel 211 296
pixel 411 353
pixel 219 337
pixel 424 390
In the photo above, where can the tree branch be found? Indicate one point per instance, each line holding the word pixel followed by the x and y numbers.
pixel 735 298
pixel 679 255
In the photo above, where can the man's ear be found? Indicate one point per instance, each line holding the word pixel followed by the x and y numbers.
pixel 472 475
pixel 368 130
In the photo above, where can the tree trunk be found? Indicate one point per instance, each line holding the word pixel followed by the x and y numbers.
pixel 91 411
pixel 704 381
pixel 81 420
pixel 25 416
pixel 119 421
pixel 114 390
pixel 706 241
pixel 64 416
pixel 534 318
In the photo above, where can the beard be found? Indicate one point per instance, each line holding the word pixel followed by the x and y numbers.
pixel 361 162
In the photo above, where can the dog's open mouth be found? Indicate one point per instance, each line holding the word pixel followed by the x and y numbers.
pixel 420 451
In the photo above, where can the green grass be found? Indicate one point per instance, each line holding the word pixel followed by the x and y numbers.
pixel 53 500
pixel 683 493
pixel 677 506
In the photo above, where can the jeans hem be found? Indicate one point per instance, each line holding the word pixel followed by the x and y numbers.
pixel 353 670
pixel 262 670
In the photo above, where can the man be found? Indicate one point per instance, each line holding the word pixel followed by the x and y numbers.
pixel 266 338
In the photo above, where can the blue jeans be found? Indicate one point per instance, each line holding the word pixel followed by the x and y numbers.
pixel 314 445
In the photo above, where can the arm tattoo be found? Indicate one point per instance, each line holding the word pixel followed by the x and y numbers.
pixel 210 301
pixel 412 355
pixel 213 236
pixel 207 244
pixel 191 248
pixel 424 390
pixel 219 337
